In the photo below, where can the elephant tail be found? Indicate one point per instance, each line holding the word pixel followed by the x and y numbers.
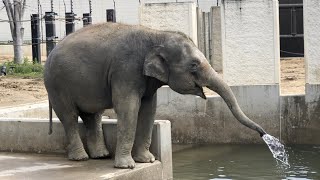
pixel 50 118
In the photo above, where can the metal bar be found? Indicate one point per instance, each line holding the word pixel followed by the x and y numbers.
pixel 36 41
pixel 50 31
pixel 87 19
pixel 210 36
pixel 293 21
pixel 290 5
pixel 90 6
pixel 71 6
pixel 292 36
pixel 51 3
pixel 69 23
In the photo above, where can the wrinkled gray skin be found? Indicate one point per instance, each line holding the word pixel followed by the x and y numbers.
pixel 120 66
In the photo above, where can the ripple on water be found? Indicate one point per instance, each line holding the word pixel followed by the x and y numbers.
pixel 245 162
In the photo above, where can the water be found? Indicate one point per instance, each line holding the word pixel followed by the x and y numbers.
pixel 277 149
pixel 245 162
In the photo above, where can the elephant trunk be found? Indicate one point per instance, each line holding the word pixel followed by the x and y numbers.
pixel 216 84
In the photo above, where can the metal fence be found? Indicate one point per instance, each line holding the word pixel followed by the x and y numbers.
pixel 291 28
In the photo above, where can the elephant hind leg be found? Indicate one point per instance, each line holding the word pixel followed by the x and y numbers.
pixel 95 138
pixel 68 116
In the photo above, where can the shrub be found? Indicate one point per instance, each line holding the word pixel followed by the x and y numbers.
pixel 27 69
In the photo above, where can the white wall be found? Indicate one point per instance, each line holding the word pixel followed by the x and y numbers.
pixel 204 5
pixel 171 16
pixel 311 13
pixel 216 49
pixel 250 38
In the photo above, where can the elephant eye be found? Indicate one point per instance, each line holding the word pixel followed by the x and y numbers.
pixel 193 67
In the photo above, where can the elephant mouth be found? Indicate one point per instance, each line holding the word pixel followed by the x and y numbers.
pixel 199 91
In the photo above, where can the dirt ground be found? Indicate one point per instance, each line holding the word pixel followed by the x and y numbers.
pixel 15 91
pixel 292 76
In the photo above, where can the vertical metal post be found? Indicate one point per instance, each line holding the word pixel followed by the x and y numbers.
pixel 69 22
pixel 293 21
pixel 51 3
pixel 71 6
pixel 111 15
pixel 90 7
pixel 87 19
pixel 50 31
pixel 36 41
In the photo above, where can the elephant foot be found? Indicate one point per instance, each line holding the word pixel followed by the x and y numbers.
pixel 124 162
pixel 99 153
pixel 144 156
pixel 77 154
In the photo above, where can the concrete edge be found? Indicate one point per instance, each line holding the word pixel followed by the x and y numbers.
pixel 141 171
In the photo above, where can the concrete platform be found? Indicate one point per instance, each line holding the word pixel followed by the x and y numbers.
pixel 31 135
pixel 16 166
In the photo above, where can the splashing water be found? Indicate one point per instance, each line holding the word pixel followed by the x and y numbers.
pixel 277 149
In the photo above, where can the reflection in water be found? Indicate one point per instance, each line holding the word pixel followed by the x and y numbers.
pixel 245 162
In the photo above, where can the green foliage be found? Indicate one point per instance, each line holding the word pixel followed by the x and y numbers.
pixel 25 70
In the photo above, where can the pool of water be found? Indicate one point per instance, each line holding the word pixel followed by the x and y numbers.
pixel 245 162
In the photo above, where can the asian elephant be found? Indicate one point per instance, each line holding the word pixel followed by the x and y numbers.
pixel 120 66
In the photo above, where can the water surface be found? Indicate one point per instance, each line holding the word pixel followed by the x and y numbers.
pixel 245 162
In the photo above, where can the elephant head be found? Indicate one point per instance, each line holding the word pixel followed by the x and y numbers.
pixel 180 64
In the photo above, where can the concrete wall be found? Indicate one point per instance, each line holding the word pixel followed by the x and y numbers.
pixel 200 30
pixel 251 42
pixel 307 128
pixel 171 16
pixel 293 119
pixel 202 4
pixel 311 13
pixel 216 38
pixel 199 121
pixel 300 119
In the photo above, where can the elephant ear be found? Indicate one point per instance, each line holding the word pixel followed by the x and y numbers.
pixel 155 66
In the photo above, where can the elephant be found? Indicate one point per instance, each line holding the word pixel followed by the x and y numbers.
pixel 119 66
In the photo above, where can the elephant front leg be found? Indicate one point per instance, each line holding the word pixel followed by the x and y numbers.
pixel 127 109
pixel 142 143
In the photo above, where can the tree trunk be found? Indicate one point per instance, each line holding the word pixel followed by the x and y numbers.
pixel 15 13
pixel 17 50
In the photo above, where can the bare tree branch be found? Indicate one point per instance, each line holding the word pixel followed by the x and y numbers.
pixel 23 7
pixel 16 9
pixel 9 10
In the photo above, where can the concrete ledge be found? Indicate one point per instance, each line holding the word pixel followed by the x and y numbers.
pixel 16 166
pixel 31 135
pixel 38 110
